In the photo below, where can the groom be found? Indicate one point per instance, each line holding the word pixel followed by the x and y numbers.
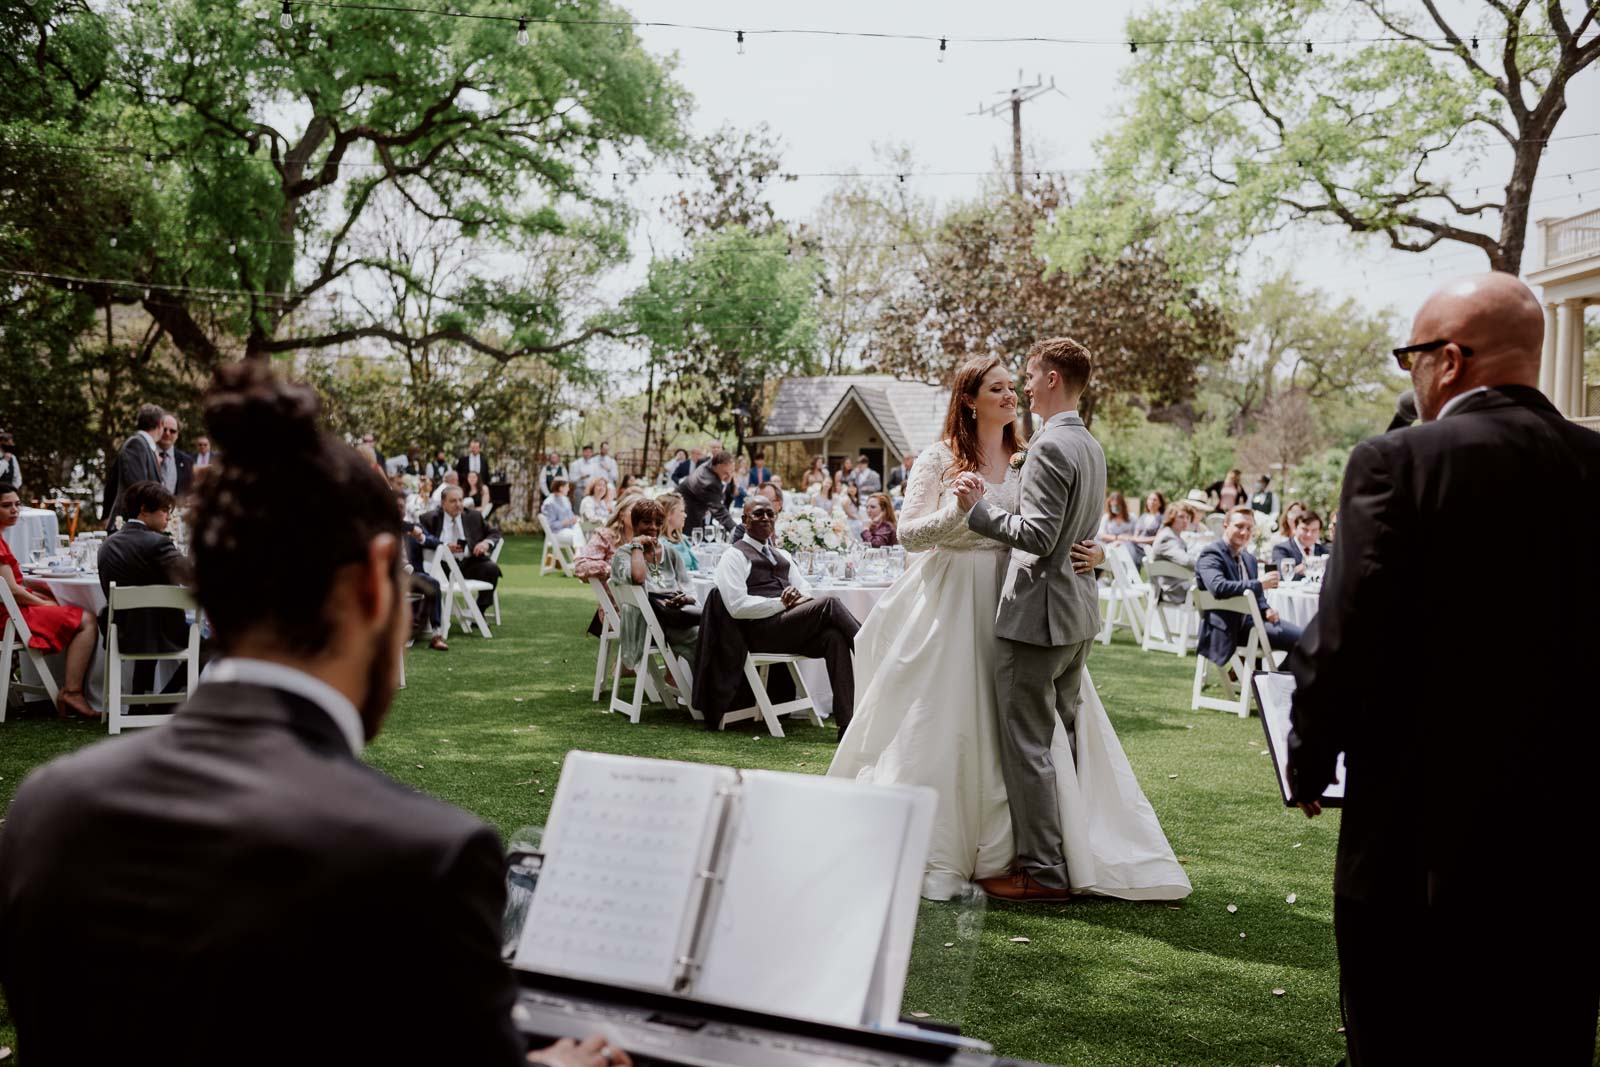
pixel 1049 614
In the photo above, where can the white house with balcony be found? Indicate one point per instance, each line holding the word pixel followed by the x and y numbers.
pixel 1569 279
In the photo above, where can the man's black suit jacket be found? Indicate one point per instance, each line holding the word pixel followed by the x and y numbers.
pixel 1290 550
pixel 704 494
pixel 135 463
pixel 462 467
pixel 138 555
pixel 253 894
pixel 472 525
pixel 185 462
pixel 1452 659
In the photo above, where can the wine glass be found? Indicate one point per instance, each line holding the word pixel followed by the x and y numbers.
pixel 697 537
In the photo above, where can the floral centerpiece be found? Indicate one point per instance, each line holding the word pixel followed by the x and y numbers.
pixel 809 527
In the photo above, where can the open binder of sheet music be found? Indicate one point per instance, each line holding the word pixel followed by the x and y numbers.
pixel 1275 697
pixel 790 894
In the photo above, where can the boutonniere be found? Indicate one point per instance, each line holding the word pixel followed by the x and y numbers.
pixel 1018 458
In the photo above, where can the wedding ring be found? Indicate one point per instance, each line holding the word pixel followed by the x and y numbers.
pixel 605 1053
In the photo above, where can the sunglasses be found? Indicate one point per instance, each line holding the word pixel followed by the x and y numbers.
pixel 1403 356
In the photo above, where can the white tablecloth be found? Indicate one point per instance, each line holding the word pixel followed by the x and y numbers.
pixel 1294 602
pixel 37 528
pixel 84 591
pixel 858 598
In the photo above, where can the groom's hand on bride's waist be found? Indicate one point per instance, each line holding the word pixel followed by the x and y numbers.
pixel 1086 556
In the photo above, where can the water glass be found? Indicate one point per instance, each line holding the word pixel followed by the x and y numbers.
pixel 697 536
pixel 1286 569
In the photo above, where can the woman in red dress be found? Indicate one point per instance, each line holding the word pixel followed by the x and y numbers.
pixel 55 627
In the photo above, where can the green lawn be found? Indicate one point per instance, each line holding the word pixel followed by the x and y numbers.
pixel 485 726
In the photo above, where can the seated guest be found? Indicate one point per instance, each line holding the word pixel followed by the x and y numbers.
pixel 141 553
pixel 647 560
pixel 55 627
pixel 760 473
pixel 475 493
pixel 705 493
pixel 1225 568
pixel 683 464
pixel 1285 531
pixel 629 484
pixel 469 539
pixel 1146 526
pixel 771 601
pixel 1116 525
pixel 450 478
pixel 674 513
pixel 420 499
pixel 879 531
pixel 594 561
pixel 815 474
pixel 557 511
pixel 246 863
pixel 1306 543
pixel 427 611
pixel 773 491
pixel 595 508
pixel 902 474
pixel 1169 546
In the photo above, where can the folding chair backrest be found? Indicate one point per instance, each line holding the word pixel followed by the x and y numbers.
pixel 14 615
pixel 1123 570
pixel 133 597
pixel 608 610
pixel 1165 568
pixel 1215 523
pixel 1244 605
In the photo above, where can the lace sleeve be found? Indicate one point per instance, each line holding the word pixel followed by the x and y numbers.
pixel 924 523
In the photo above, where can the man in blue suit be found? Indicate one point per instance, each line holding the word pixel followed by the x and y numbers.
pixel 1306 542
pixel 1225 568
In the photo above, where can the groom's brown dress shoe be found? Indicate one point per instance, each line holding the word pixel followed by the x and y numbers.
pixel 1023 888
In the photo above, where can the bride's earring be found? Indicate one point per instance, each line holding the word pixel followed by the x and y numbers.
pixel 972 413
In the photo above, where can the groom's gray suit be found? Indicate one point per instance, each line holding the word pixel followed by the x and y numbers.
pixel 1047 620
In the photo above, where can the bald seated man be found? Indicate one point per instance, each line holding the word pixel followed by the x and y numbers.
pixel 1456 672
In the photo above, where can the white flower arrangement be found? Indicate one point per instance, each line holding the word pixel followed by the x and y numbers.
pixel 808 527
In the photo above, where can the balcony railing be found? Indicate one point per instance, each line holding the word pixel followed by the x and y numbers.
pixel 1572 238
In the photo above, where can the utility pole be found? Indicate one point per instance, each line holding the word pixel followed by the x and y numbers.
pixel 1016 97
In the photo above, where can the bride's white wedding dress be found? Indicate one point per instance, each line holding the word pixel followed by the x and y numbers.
pixel 926 715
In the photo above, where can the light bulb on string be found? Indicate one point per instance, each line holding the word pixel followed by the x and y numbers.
pixel 285 18
pixel 943 48
pixel 522 31
pixel 739 38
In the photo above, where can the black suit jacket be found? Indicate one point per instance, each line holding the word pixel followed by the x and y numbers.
pixel 185 462
pixel 138 555
pixel 255 895
pixel 135 463
pixel 1447 661
pixel 483 468
pixel 472 524
pixel 704 494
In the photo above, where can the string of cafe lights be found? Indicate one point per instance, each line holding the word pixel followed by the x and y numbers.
pixel 800 245
pixel 221 296
pixel 286 21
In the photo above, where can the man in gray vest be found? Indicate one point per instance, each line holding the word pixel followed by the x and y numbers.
pixel 1048 615
pixel 767 594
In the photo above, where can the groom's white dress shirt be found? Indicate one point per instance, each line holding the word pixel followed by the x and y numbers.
pixel 733 577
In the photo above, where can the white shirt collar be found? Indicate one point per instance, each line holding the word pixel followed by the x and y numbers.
pixel 757 545
pixel 290 680
pixel 1455 401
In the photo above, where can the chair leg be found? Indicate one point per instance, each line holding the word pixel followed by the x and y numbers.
pixel 1199 681
pixel 5 668
pixel 812 714
pixel 758 683
pixel 497 605
pixel 113 686
pixel 600 662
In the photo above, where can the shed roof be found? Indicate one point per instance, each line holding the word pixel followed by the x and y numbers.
pixel 909 414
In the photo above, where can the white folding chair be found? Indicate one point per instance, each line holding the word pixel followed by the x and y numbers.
pixel 17 637
pixel 1215 522
pixel 1160 615
pixel 610 631
pixel 459 594
pixel 130 598
pixel 558 555
pixel 1255 654
pixel 1122 601
pixel 756 666
pixel 494 554
pixel 655 645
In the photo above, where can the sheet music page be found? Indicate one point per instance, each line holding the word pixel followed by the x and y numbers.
pixel 623 853
pixel 894 957
pixel 803 912
pixel 1275 694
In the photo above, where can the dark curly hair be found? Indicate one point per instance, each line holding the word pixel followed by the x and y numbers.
pixel 289 506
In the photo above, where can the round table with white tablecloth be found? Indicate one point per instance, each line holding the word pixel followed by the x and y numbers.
pixel 1295 602
pixel 859 598
pixel 36 528
pixel 84 591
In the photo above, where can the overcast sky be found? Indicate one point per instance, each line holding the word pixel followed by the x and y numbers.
pixel 833 99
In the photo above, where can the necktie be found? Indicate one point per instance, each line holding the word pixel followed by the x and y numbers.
pixel 766 550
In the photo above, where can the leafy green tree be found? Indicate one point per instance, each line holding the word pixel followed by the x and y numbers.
pixel 735 314
pixel 986 290
pixel 260 152
pixel 1236 127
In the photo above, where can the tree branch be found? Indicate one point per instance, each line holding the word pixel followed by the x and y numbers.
pixel 461 337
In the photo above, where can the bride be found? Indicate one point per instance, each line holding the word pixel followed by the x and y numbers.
pixel 928 713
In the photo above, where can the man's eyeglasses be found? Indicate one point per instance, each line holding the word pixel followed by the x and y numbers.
pixel 1403 356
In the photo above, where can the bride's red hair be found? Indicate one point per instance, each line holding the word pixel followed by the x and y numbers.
pixel 961 427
